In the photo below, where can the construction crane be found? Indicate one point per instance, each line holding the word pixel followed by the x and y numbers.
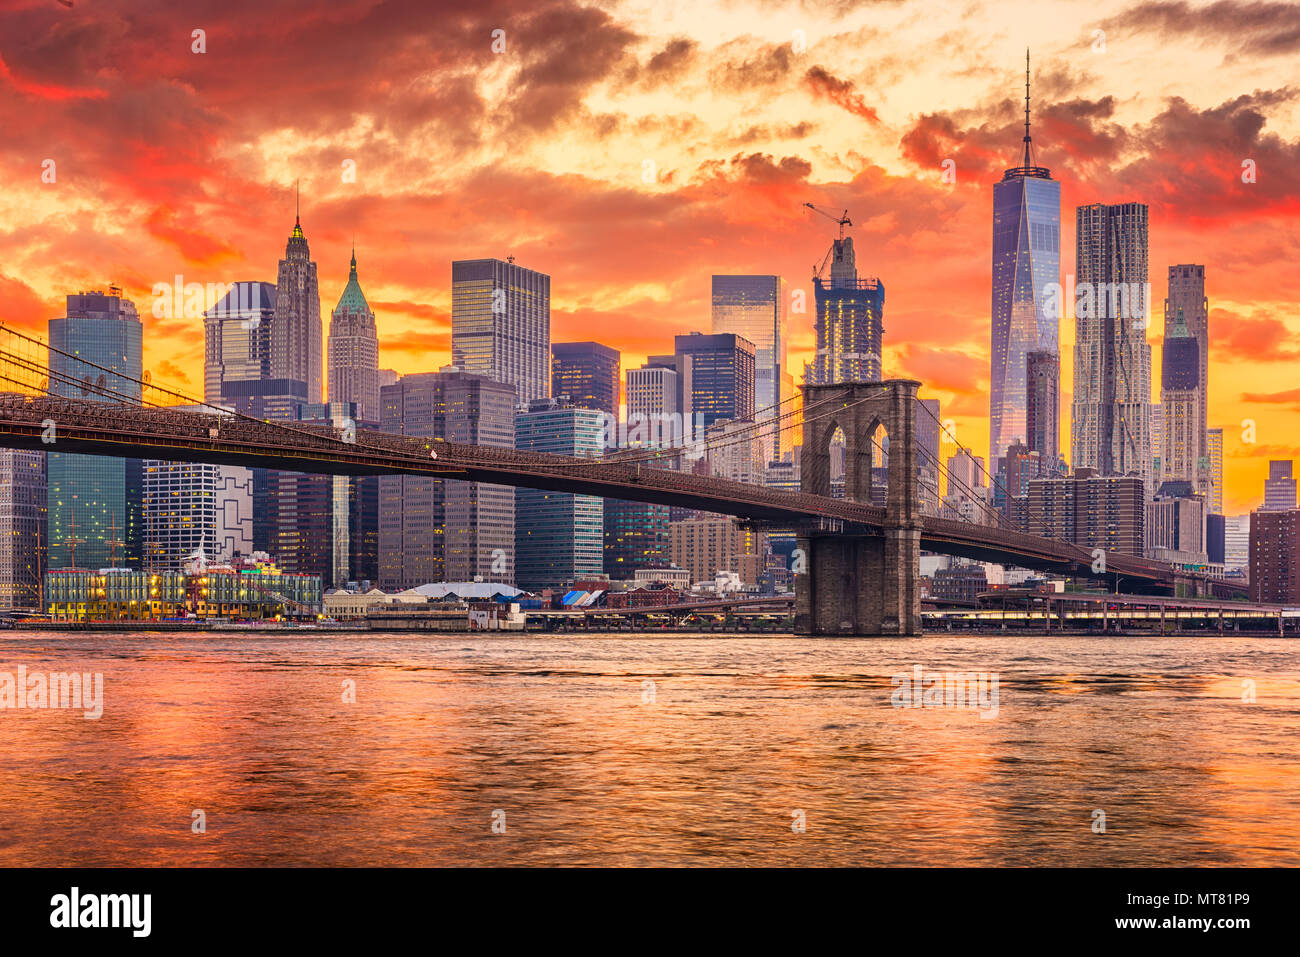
pixel 843 220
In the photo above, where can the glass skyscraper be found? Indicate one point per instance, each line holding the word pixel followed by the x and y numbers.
pixel 501 325
pixel 754 307
pixel 559 536
pixel 718 370
pixel 587 373
pixel 93 502
pixel 1026 259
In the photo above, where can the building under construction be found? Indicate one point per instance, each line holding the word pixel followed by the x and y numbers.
pixel 850 315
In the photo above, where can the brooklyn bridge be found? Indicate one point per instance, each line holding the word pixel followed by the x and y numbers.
pixel 860 568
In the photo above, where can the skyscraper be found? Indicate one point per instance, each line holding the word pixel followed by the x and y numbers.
pixel 849 321
pixel 1026 259
pixel 753 307
pixel 296 338
pixel 1187 296
pixel 1182 456
pixel 190 506
pixel 717 375
pixel 1112 360
pixel 1279 487
pixel 1043 406
pixel 23 501
pixel 237 340
pixel 94 501
pixel 588 373
pixel 559 536
pixel 501 324
pixel 636 536
pixel 354 351
pixel 1214 449
pixel 446 530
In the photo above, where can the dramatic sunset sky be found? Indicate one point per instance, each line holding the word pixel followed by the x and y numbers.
pixel 631 150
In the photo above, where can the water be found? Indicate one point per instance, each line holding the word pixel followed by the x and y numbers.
pixel 741 733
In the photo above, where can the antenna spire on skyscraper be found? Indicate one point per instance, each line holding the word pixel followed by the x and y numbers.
pixel 297 195
pixel 1027 139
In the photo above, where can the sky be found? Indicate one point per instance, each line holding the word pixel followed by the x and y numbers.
pixel 632 150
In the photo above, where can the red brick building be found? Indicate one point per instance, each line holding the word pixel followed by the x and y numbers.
pixel 1275 556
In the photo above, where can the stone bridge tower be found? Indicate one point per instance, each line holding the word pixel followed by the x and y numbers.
pixel 860 581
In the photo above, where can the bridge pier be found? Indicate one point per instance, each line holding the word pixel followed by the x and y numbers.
pixel 860 583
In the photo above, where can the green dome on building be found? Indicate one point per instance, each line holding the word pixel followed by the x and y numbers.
pixel 353 299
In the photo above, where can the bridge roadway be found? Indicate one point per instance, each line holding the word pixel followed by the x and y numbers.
pixel 52 424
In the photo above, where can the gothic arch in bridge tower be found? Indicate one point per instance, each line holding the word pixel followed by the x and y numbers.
pixel 860 581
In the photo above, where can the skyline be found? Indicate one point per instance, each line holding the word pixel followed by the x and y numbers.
pixel 204 207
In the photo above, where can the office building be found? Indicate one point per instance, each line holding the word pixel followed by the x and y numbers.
pixel 636 537
pixel 501 325
pixel 354 352
pixel 716 376
pixel 1112 360
pixel 587 375
pixel 194 507
pixel 93 502
pixel 1275 556
pixel 297 340
pixel 23 536
pixel 1183 457
pixel 1026 260
pixel 1236 542
pixel 433 530
pixel 1279 487
pixel 1176 525
pixel 559 536
pixel 753 307
pixel 1214 449
pixel 237 340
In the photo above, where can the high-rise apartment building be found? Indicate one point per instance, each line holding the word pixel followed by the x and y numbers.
pixel 195 506
pixel 1106 512
pixel 1026 260
pixel 1112 360
pixel 354 351
pixel 587 374
pixel 93 502
pixel 559 536
pixel 1275 556
pixel 296 337
pixel 707 546
pixel 753 307
pixel 501 324
pixel 1279 487
pixel 849 324
pixel 1043 406
pixel 23 501
pixel 1183 456
pixel 1186 295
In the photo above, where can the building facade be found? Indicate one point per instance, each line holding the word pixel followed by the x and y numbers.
pixel 354 352
pixel 1183 456
pixel 1043 405
pixel 93 502
pixel 635 537
pixel 1186 296
pixel 1097 512
pixel 1275 556
pixel 587 374
pixel 1112 360
pixel 297 341
pixel 23 535
pixel 501 325
pixel 707 546
pixel 1279 487
pixel 849 324
pixel 559 536
pixel 1026 260
pixel 753 307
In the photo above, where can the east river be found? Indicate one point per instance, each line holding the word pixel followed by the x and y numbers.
pixel 219 749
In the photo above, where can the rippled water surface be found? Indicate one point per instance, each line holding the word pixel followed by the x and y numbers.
pixel 705 765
